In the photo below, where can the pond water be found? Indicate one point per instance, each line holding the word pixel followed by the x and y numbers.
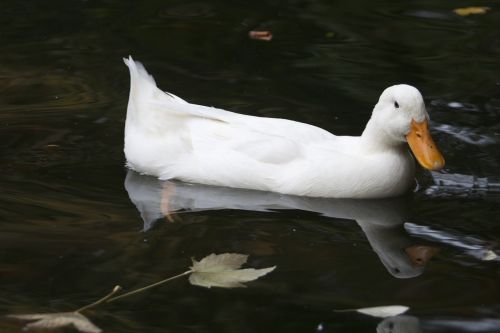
pixel 74 222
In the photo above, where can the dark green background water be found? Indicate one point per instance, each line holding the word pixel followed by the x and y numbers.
pixel 69 230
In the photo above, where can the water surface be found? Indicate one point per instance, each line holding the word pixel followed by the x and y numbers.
pixel 74 222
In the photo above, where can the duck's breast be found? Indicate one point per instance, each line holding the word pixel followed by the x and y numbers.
pixel 326 172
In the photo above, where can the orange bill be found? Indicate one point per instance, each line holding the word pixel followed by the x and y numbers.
pixel 423 147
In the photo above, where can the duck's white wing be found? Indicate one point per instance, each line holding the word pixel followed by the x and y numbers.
pixel 201 129
pixel 232 138
pixel 168 137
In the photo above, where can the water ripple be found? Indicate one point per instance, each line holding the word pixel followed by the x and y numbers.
pixel 455 184
pixel 471 245
pixel 44 92
pixel 467 134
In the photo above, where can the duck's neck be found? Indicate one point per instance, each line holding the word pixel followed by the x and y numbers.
pixel 375 139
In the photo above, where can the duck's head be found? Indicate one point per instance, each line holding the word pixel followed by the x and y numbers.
pixel 400 116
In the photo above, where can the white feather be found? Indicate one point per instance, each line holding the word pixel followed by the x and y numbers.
pixel 168 137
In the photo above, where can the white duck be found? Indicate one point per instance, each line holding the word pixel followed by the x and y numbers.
pixel 170 138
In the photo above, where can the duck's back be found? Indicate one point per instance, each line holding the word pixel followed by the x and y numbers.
pixel 168 137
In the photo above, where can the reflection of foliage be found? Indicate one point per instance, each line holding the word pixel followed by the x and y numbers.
pixel 221 270
pixel 471 10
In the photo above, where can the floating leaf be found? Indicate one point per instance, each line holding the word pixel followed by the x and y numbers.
pixel 471 10
pixel 380 311
pixel 384 311
pixel 261 35
pixel 224 271
pixel 47 321
pixel 218 262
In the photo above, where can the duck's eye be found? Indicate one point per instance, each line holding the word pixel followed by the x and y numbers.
pixel 396 105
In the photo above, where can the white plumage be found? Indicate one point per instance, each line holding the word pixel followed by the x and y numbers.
pixel 168 137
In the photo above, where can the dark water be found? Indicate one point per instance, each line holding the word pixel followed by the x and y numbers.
pixel 73 223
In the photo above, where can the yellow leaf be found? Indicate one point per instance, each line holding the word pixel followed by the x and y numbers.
pixel 471 10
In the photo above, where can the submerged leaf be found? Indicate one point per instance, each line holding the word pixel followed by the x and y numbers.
pixel 471 10
pixel 223 271
pixel 49 321
pixel 384 311
pixel 261 35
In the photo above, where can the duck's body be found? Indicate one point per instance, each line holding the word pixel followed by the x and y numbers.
pixel 168 137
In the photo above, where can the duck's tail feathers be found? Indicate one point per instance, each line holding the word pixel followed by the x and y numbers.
pixel 139 77
pixel 143 86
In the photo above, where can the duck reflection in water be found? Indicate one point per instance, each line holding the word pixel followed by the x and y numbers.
pixel 381 220
pixel 400 324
